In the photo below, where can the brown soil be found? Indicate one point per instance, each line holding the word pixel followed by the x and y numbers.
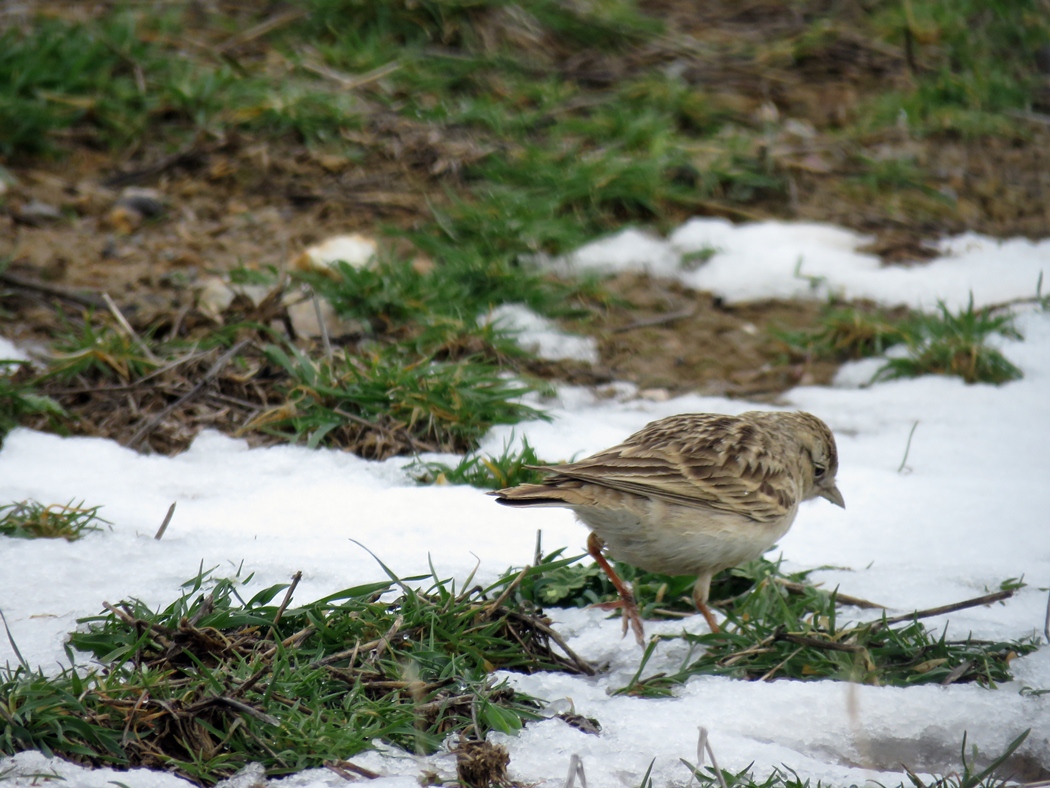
pixel 667 338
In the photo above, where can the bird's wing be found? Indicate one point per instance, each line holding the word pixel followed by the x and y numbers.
pixel 703 461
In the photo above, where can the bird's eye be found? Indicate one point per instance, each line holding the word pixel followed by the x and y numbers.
pixel 819 470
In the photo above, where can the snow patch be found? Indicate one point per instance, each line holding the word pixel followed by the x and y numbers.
pixel 540 336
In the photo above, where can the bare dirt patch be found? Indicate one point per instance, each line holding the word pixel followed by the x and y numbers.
pixel 670 339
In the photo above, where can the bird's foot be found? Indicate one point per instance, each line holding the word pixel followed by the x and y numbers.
pixel 631 616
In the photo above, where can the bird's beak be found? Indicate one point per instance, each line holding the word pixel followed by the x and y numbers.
pixel 832 494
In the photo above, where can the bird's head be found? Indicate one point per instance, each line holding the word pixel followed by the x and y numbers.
pixel 820 459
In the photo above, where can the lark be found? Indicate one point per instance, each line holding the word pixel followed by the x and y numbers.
pixel 692 494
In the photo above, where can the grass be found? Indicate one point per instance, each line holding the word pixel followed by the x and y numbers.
pixel 20 399
pixel 950 343
pixel 122 75
pixel 974 59
pixel 849 332
pixel 99 351
pixel 773 632
pixel 435 405
pixel 393 294
pixel 33 520
pixel 437 384
pixel 779 627
pixel 512 467
pixel 945 342
pixel 213 681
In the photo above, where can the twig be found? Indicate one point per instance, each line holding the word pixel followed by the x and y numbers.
pixel 344 768
pixel 167 519
pixel 252 680
pixel 127 329
pixel 184 155
pixel 1046 623
pixel 436 705
pixel 663 611
pixel 82 297
pixel 130 620
pixel 1038 298
pixel 768 676
pixel 350 652
pixel 474 717
pixel 506 592
pixel 957 673
pixel 324 330
pixel 384 642
pixel 263 28
pixel 759 648
pixel 287 598
pixel 216 368
pixel 846 599
pixel 702 743
pixel 1004 305
pixel 987 599
pixel 292 640
pixel 126 736
pixel 575 770
pixel 659 320
pixel 584 667
pixel 348 82
pixel 1034 117
pixel 731 211
pixel 907 448
pixel 139 382
pixel 394 433
pixel 236 705
pixel 827 645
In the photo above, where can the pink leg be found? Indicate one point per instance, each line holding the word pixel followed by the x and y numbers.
pixel 701 589
pixel 630 606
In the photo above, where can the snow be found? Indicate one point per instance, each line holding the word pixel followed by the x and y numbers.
pixel 8 351
pixel 540 336
pixel 967 512
pixel 782 260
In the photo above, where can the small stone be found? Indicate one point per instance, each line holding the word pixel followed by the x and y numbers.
pixel 356 250
pixel 123 219
pixel 303 317
pixel 214 297
pixel 801 129
pixel 149 203
pixel 36 212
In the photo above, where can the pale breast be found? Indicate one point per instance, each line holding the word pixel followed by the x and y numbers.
pixel 664 537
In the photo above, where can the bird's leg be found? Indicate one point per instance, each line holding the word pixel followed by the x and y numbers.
pixel 630 606
pixel 701 588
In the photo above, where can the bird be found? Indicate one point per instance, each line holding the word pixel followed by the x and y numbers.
pixel 691 494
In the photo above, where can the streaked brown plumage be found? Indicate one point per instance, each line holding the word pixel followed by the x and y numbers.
pixel 692 494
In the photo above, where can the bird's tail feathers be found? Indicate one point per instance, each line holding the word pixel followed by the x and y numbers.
pixel 535 495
